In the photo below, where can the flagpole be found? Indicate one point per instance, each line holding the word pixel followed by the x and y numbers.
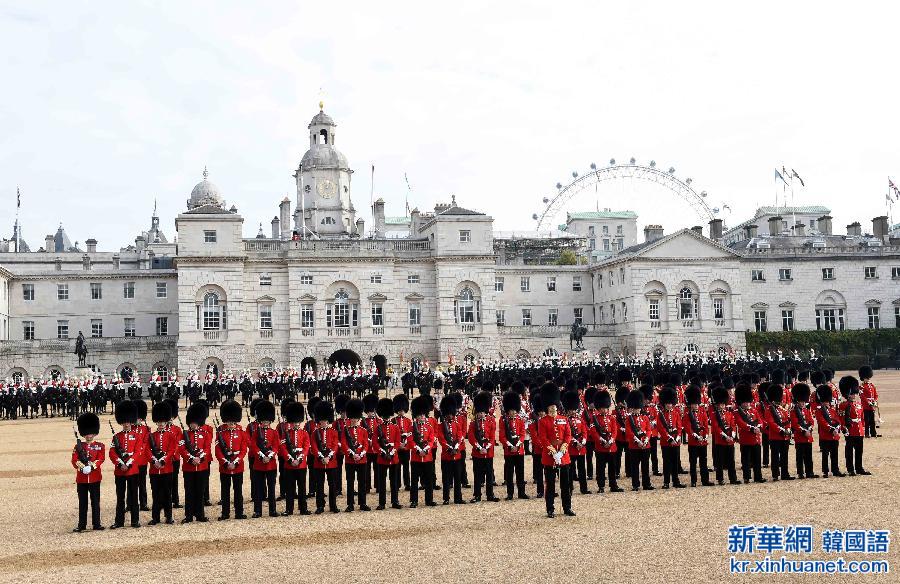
pixel 18 205
pixel 372 198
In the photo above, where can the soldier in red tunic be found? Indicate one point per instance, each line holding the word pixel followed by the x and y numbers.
pixel 176 433
pixel 340 422
pixel 264 446
pixel 779 422
pixel 124 453
pixel 421 451
pixel 387 439
pixel 87 458
pixel 669 427
pixel 295 448
pixel 370 424
pixel 750 431
pixel 232 445
pixel 555 437
pixel 829 423
pixel 512 432
pixel 803 426
pixel 696 424
pixel 723 433
pixel 481 435
pixel 325 444
pixel 869 399
pixel 537 449
pixel 355 446
pixel 401 408
pixel 162 452
pixel 142 430
pixel 621 415
pixel 637 435
pixel 854 426
pixel 195 452
pixel 578 446
pixel 602 429
pixel 451 437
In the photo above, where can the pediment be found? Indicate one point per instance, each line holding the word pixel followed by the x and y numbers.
pixel 759 305
pixel 378 297
pixel 688 245
pixel 787 304
pixel 308 297
pixel 265 298
pixel 415 296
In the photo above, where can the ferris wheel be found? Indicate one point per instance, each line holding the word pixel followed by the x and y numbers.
pixel 553 205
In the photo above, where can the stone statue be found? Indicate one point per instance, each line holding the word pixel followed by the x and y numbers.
pixel 80 349
pixel 575 337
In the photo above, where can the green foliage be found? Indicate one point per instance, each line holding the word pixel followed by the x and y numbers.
pixel 845 362
pixel 567 258
pixel 863 342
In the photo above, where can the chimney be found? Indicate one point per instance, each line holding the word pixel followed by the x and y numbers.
pixel 414 222
pixel 276 228
pixel 854 229
pixel 800 229
pixel 361 227
pixel 750 231
pixel 378 216
pixel 140 243
pixel 653 232
pixel 823 224
pixel 715 229
pixel 775 225
pixel 285 221
pixel 49 245
pixel 880 227
pixel 91 245
pixel 698 229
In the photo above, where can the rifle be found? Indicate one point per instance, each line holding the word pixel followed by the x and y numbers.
pixel 191 446
pixel 352 443
pixel 80 450
pixel 292 448
pixel 418 439
pixel 262 443
pixel 227 453
pixel 604 434
pixel 385 446
pixel 325 453
pixel 511 435
pixel 125 459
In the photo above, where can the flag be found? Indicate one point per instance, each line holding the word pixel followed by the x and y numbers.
pixel 784 172
pixel 779 175
pixel 18 198
pixel 893 187
pixel 797 176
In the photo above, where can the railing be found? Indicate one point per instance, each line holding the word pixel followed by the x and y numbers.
pixel 720 322
pixel 213 335
pixel 852 250
pixel 343 332
pixel 308 332
pixel 265 333
pixel 548 331
pixel 467 328
pixel 655 324
pixel 342 246
pixel 688 323
pixel 92 344
pixel 378 330
pixel 415 329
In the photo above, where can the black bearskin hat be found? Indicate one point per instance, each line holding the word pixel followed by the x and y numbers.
pixel 231 412
pixel 518 387
pixel 126 412
pixel 458 397
pixel 481 402
pixel 692 394
pixel 265 411
pixel 141 409
pixel 448 406
pixel 647 391
pixel 816 378
pixel 763 391
pixel 865 372
pixel 537 403
pixel 777 376
pixel 196 414
pixel 253 404
pixel 720 395
pixel 743 393
pixel 571 400
pixel 340 403
pixel 173 406
pixel 88 423
pixel 401 403
pixel 675 379
pixel 161 412
pixel 284 404
pixel 293 412
pixel 549 394
pixel 438 383
pixel 623 375
pixel 311 405
pixel 602 399
pixel 775 393
pixel 422 405
pixel 635 399
pixel 589 394
pixel 800 392
pixel 324 411
pixel 354 409
pixel 370 402
pixel 384 408
pixel 824 394
pixel 848 386
pixel 621 395
pixel 512 401
pixel 667 395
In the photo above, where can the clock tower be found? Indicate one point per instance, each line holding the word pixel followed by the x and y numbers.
pixel 323 184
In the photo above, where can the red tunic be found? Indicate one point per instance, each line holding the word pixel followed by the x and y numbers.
pixel 421 441
pixel 515 436
pixel 370 425
pixel 799 421
pixel 96 452
pixel 387 438
pixel 451 440
pixel 852 418
pixel 405 425
pixel 578 445
pixel 264 441
pixel 602 430
pixel 483 426
pixel 355 453
pixel 236 445
pixel 167 448
pixel 202 444
pixel 868 396
pixel 554 431
pixel 722 432
pixel 129 443
pixel 142 430
pixel 779 422
pixel 621 416
pixel 748 426
pixel 670 419
pixel 829 422
pixel 639 440
pixel 324 445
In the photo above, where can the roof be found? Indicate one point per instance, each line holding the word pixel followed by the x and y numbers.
pixel 771 210
pixel 396 220
pixel 636 250
pixel 454 210
pixel 601 215
pixel 208 210
pixel 526 234
pixel 799 241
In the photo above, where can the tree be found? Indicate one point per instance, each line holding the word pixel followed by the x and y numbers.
pixel 567 258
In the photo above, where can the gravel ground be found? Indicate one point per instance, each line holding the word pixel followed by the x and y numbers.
pixel 627 537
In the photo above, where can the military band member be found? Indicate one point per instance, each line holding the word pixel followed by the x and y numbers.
pixel 854 426
pixel 668 426
pixel 602 430
pixel 142 430
pixel 571 401
pixel 295 446
pixel 779 422
pixel 355 445
pixel 421 451
pixel 451 437
pixel 325 445
pixel 555 437
pixel 401 408
pixel 387 439
pixel 264 444
pixel 829 423
pixel 232 445
pixel 869 400
pixel 124 453
pixel 512 432
pixel 750 431
pixel 802 424
pixel 162 451
pixel 696 423
pixel 481 434
pixel 87 458
pixel 723 433
pixel 195 453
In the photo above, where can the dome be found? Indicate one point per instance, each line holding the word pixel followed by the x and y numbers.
pixel 204 193
pixel 324 156
pixel 321 119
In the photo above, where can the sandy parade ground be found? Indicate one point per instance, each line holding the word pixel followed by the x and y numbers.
pixel 661 536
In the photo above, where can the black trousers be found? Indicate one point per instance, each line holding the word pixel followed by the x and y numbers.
pixel 481 468
pixel 371 463
pixel 451 476
pixel 724 456
pixel 404 466
pixel 671 456
pixel 265 489
pixel 640 467
pixel 829 450
pixel 161 490
pixel 654 460
pixel 227 482
pixel 282 479
pixel 779 458
pixel 765 449
pixel 577 472
pixel 88 491
pixel 319 476
pixel 176 470
pixel 142 486
pixel 803 456
pixel 751 463
pixel 853 453
pixel 589 459
pixel 869 418
pixel 537 473
pixel 622 450
pixel 565 487
pixel 606 464
pixel 421 471
pixel 294 489
pixel 514 465
pixel 465 470
pixel 252 483
pixel 195 485
pixel 356 474
pixel 126 489
pixel 339 458
pixel 382 472
pixel 697 457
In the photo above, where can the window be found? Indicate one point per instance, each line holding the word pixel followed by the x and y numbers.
pixel 307 318
pixel 873 313
pixel 62 329
pixel 600 281
pixel 718 308
pixel 654 309
pixel 591 231
pixel 757 276
pixel 265 317
pixel 553 317
pixel 342 313
pixel 498 284
pixel 465 236
pixel 787 320
pixel 266 279
pixel 128 290
pixel 602 315
pixel 606 230
pixel 412 279
pixel 578 315
pixel 551 284
pixel 592 244
pixel 378 314
pixel 467 307
pixel 328 221
pixel 871 272
pixel 27 291
pixel 525 284
pixel 624 312
pixel 501 318
pixel 209 236
pixel 612 313
pixel 897 316
pixel 618 230
pixel 415 315
pixel 895 273
pixel 96 328
pixel 576 283
pixel 213 313
pixel 162 326
pixel 759 319
pixel 162 290
pixel 96 291
pixel 28 330
pixel 129 327
pixel 526 317
pixel 62 291
pixel 605 245
pixel 784 274
pixel 375 279
pixel 686 304
pixel 828 273
pixel 830 319
pixel 306 280
pixel 621 275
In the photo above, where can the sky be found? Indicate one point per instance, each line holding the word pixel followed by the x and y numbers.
pixel 108 106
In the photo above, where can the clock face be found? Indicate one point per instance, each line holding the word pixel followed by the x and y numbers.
pixel 325 188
